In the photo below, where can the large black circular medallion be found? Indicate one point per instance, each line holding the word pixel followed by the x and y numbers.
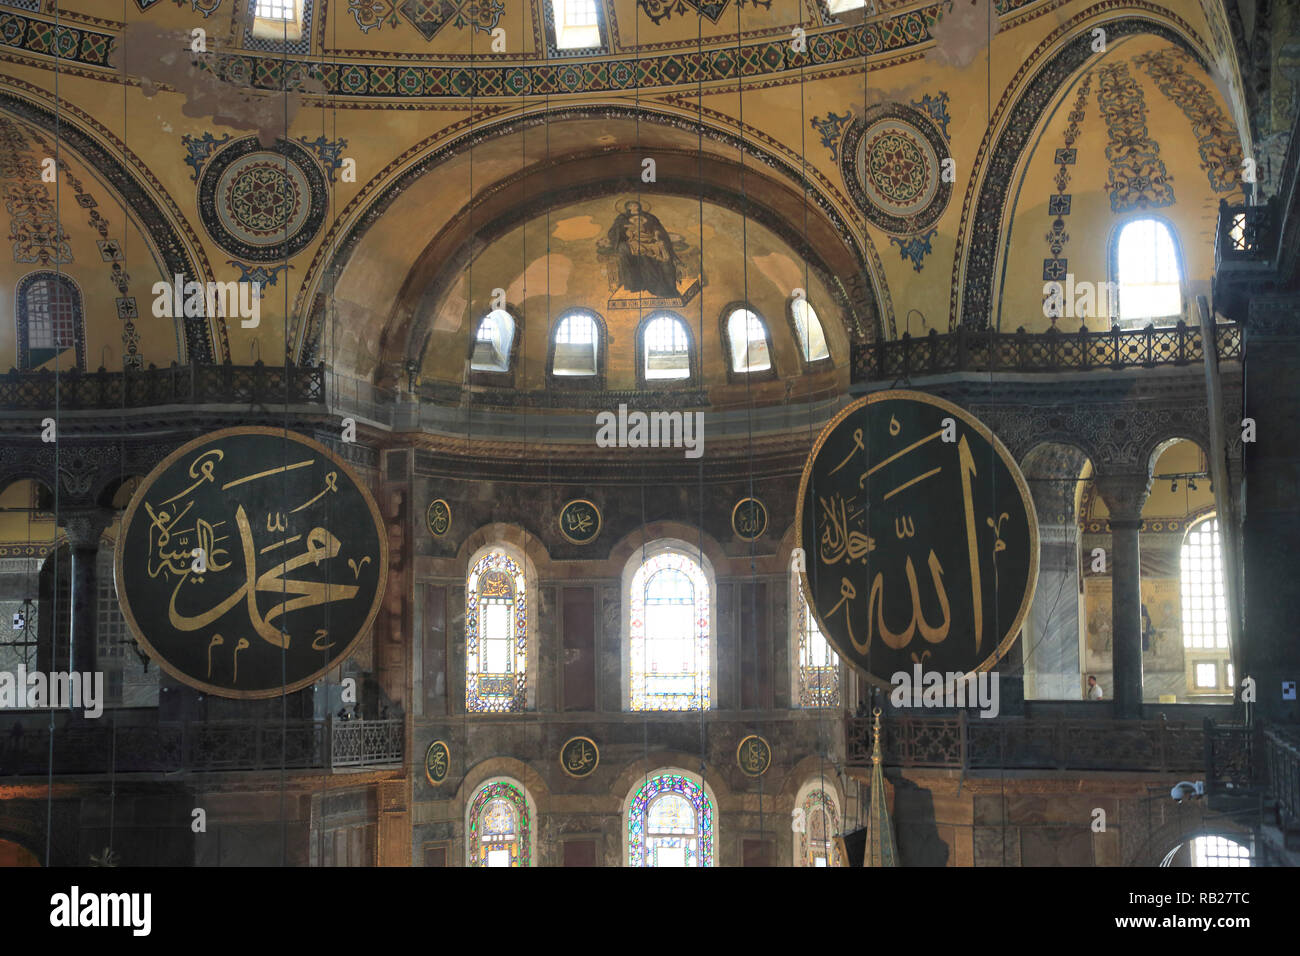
pixel 753 756
pixel 920 537
pixel 251 561
pixel 437 762
pixel 580 521
pixel 262 204
pixel 749 519
pixel 892 161
pixel 579 756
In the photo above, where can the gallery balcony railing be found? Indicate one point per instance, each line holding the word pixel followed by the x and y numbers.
pixel 1282 762
pixel 226 384
pixel 977 743
pixel 973 350
pixel 95 747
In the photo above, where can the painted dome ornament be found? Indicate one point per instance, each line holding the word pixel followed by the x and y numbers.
pixel 892 161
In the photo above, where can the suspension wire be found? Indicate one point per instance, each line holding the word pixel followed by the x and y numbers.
pixel 58 385
pixel 803 613
pixel 701 688
pixel 749 403
pixel 284 450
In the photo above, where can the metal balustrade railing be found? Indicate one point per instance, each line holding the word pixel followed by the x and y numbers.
pixel 1029 743
pixel 226 384
pixel 973 350
pixel 91 747
pixel 1282 760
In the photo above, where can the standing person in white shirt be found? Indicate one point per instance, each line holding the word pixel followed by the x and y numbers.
pixel 1094 689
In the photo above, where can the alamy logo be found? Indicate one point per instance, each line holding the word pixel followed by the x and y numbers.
pixel 74 909
pixel 653 430
pixel 1080 300
pixel 59 690
pixel 178 298
pixel 951 689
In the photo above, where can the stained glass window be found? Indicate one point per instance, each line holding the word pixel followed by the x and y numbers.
pixel 670 823
pixel 496 635
pixel 668 643
pixel 819 666
pixel 821 822
pixel 499 826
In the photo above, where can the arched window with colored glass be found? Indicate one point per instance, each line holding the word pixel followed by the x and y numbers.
pixel 496 635
pixel 669 634
pixel 670 820
pixel 817 824
pixel 817 668
pixel 499 826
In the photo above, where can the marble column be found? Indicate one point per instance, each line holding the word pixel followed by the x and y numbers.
pixel 84 529
pixel 1124 496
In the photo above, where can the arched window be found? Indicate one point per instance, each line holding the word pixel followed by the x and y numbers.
pixel 818 666
pixel 667 345
pixel 577 345
pixel 1150 283
pixel 812 340
pixel 817 822
pixel 49 319
pixel 1219 851
pixel 492 342
pixel 499 826
pixel 670 822
pixel 668 636
pixel 1205 608
pixel 747 337
pixel 496 635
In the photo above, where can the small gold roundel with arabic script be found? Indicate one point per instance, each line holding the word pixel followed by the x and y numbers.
pixel 753 756
pixel 579 756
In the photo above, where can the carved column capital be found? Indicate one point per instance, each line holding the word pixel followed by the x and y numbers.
pixel 85 527
pixel 1125 495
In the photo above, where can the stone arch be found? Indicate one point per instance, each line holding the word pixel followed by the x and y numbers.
pixel 1035 86
pixel 178 247
pixel 851 269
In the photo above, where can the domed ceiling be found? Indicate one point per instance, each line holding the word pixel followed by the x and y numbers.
pixel 352 169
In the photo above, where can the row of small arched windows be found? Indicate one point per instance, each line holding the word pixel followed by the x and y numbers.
pixel 670 821
pixel 664 342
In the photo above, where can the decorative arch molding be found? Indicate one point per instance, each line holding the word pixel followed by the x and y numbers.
pixel 1037 84
pixel 842 265
pixel 150 204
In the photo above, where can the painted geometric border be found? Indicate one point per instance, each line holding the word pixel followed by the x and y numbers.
pixel 879 216
pixel 231 243
pixel 1019 125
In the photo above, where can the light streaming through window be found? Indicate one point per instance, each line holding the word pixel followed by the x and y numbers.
pixel 1149 282
pixel 577 24
pixel 496 635
pixel 669 635
pixel 812 340
pixel 276 10
pixel 670 823
pixel 748 342
pixel 667 348
pixel 576 344
pixel 1218 851
pixel 1205 609
pixel 499 826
